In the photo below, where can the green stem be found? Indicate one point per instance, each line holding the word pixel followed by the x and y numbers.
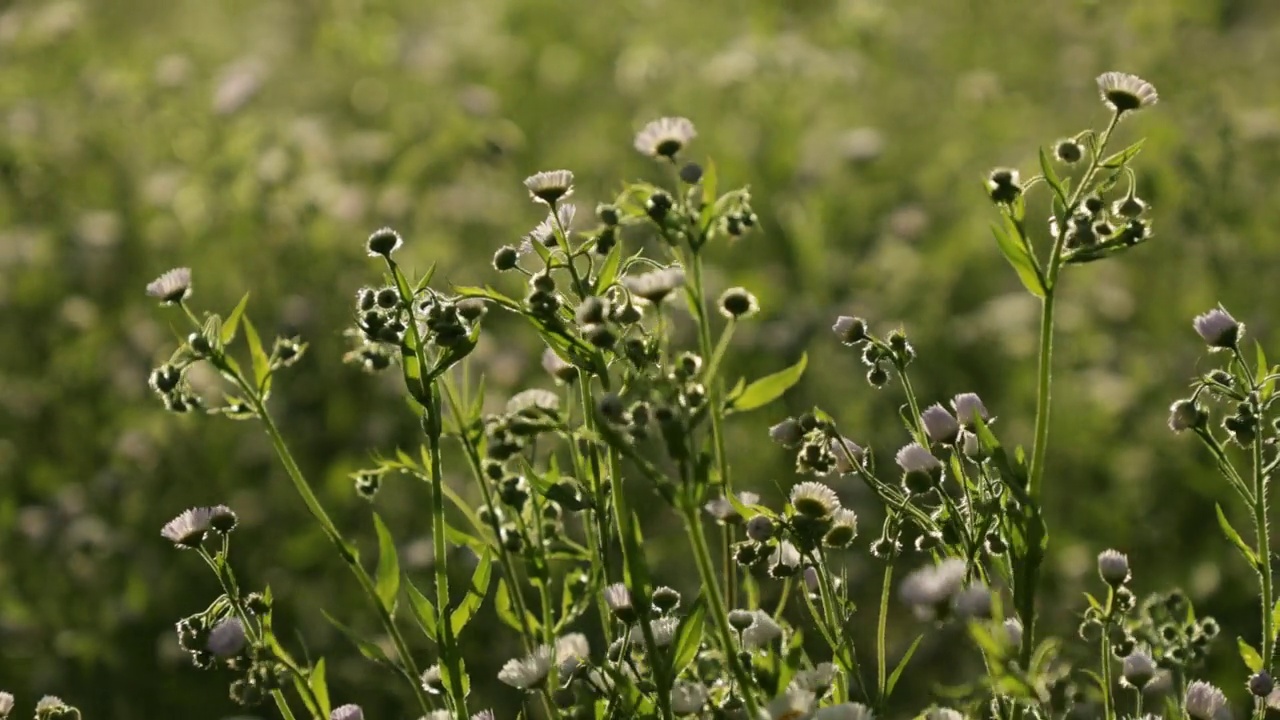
pixel 449 655
pixel 715 602
pixel 882 664
pixel 1104 647
pixel 1263 530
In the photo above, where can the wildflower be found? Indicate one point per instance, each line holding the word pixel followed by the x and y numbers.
pixel 550 187
pixel 974 601
pixel 724 511
pixel 688 698
pixel 383 242
pixel 817 681
pixel 545 232
pixel 1068 151
pixel 794 704
pixel 6 704
pixel 1123 92
pixel 814 499
pixel 506 258
pixel 189 528
pixel 691 173
pixel 785 560
pixel 534 402
pixel 850 330
pixel 557 367
pixel 1113 566
pixel 655 285
pixel 1138 669
pixel 921 470
pixel 1219 329
pixel 527 673
pixel 848 455
pixel 763 630
pixel 483 715
pixel 737 303
pixel 666 599
pixel 618 598
pixel 1130 206
pixel 760 528
pixel 52 706
pixel 227 638
pixel 571 651
pixel 845 711
pixel 1261 684
pixel 941 713
pixel 1003 185
pixel 432 681
pixel 1206 702
pixel 665 137
pixel 663 630
pixel 967 407
pixel 1013 632
pixel 811 580
pixel 787 433
pixel 222 520
pixel 930 590
pixel 165 379
pixel 347 712
pixel 172 287
pixel 741 619
pixel 844 528
pixel 939 424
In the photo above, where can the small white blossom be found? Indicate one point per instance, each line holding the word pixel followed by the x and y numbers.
pixel 6 704
pixel 787 433
pixel 1218 329
pixel 930 589
pixel 1013 632
pixel 189 528
pixel 794 704
pixel 483 715
pixel 845 711
pixel 1123 92
pixel 227 638
pixel 1206 702
pixel 527 673
pixel 939 424
pixel 817 681
pixel 967 405
pixel 1138 669
pixel 915 458
pixel 762 632
pixel 663 629
pixel 785 555
pixel 941 713
pixel 550 187
pixel 654 286
pixel 847 453
pixel 1113 566
pixel 688 698
pixel 347 712
pixel 431 680
pixel 974 601
pixel 814 499
pixel 618 598
pixel 172 287
pixel 571 651
pixel 721 509
pixel 665 137
pixel 557 367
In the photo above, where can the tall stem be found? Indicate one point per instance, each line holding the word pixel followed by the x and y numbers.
pixel 1263 530
pixel 882 664
pixel 448 643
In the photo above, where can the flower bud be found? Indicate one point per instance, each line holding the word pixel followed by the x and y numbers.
pixel 760 528
pixel 1186 415
pixel 850 330
pixel 1113 567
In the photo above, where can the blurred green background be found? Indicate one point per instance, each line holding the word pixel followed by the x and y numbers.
pixel 259 141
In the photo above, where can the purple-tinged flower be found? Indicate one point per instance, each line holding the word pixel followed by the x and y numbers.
pixel 939 424
pixel 1219 329
pixel 172 287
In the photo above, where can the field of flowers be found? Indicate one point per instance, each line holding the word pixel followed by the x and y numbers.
pixel 418 328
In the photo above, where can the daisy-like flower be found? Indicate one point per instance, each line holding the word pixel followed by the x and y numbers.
pixel 760 528
pixel 920 469
pixel 665 137
pixel 571 651
pixel 534 402
pixel 844 528
pixel 528 673
pixel 688 698
pixel 663 629
pixel 763 630
pixel 929 590
pixel 724 511
pixel 939 424
pixel 1113 567
pixel 1206 702
pixel 557 367
pixel 1013 632
pixel 787 433
pixel 845 711
pixel 227 638
pixel 1003 185
pixel 172 287
pixel 383 242
pixel 974 601
pixel 736 303
pixel 483 715
pixel 437 715
pixel 188 529
pixel 941 713
pixel 550 187
pixel 432 681
pixel 545 232
pixel 817 681
pixel 847 453
pixel 1218 329
pixel 347 712
pixel 794 704
pixel 1123 92
pixel 655 285
pixel 967 406
pixel 785 559
pixel 222 519
pixel 814 499
pixel 1138 669
pixel 618 598
pixel 850 330
pixel 6 704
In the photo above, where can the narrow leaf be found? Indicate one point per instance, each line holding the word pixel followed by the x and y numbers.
pixel 609 271
pixel 1234 537
pixel 261 363
pixel 1251 658
pixel 423 611
pixel 476 593
pixel 320 687
pixel 1051 176
pixel 768 388
pixel 690 638
pixel 388 577
pixel 233 321
pixel 1121 158
pixel 902 665
pixel 1020 258
pixel 1260 373
pixel 366 648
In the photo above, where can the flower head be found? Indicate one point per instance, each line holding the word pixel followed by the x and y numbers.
pixel 1123 92
pixel 915 458
pixel 527 673
pixel 618 598
pixel 844 528
pixel 432 680
pixel 845 711
pixel 939 424
pixel 6 704
pixel 785 559
pixel 941 713
pixel 737 303
pixel 787 433
pixel 850 330
pixel 724 511
pixel 550 187
pixel 383 242
pixel 1206 702
pixel 172 287
pixel 665 137
pixel 968 406
pixel 817 681
pixel 189 528
pixel 571 651
pixel 662 629
pixel 227 638
pixel 655 285
pixel 1138 669
pixel 794 704
pixel 545 232
pixel 762 631
pixel 557 367
pixel 347 712
pixel 930 590
pixel 847 453
pixel 814 499
pixel 1113 566
pixel 688 698
pixel 1219 329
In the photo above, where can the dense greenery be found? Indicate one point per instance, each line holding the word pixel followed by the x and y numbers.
pixel 260 142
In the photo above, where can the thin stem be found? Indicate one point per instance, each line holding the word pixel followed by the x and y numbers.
pixel 1263 530
pixel 882 665
pixel 449 654
pixel 1104 648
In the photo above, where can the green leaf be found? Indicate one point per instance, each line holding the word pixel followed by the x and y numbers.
pixel 768 388
pixel 388 577
pixel 902 665
pixel 366 648
pixel 1251 658
pixel 424 280
pixel 320 687
pixel 1260 373
pixel 1051 176
pixel 261 363
pixel 476 593
pixel 709 181
pixel 1019 256
pixel 233 321
pixel 423 611
pixel 609 270
pixel 1249 555
pixel 1122 158
pixel 690 634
